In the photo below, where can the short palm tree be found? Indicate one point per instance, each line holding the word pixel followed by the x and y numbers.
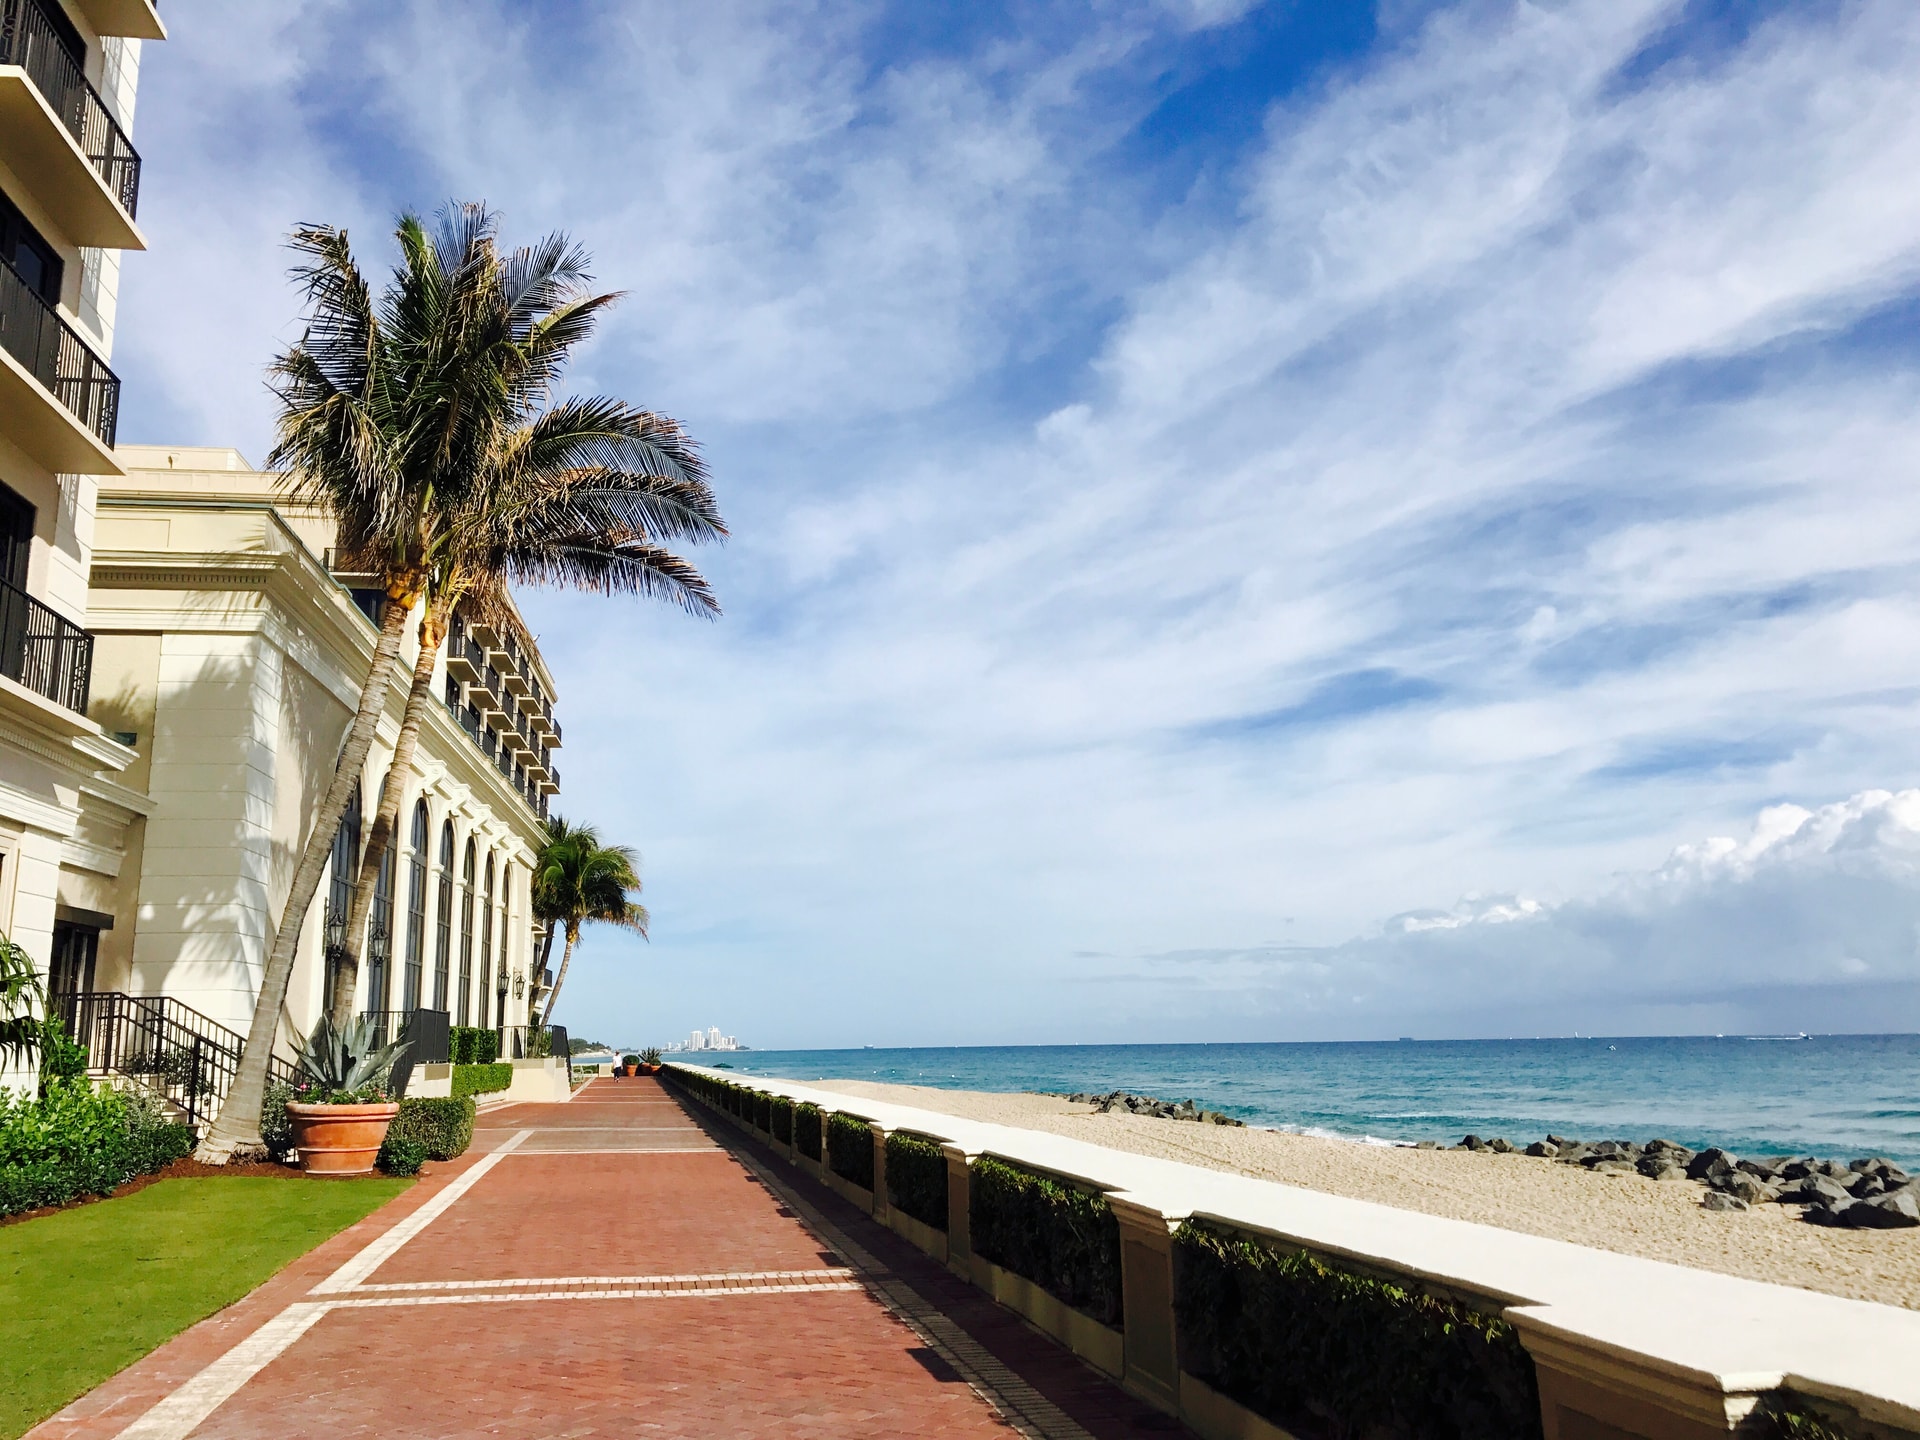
pixel 576 879
pixel 396 414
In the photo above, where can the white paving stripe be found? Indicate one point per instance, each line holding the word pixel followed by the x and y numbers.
pixel 382 1249
pixel 176 1416
pixel 654 1292
pixel 711 1278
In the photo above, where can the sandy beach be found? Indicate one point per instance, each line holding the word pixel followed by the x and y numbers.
pixel 1623 1213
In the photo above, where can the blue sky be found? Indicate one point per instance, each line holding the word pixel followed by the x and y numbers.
pixel 1252 521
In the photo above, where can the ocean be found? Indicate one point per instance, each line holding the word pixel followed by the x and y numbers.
pixel 1836 1096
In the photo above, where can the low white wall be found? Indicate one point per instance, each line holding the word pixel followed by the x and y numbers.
pixel 541 1082
pixel 1697 1347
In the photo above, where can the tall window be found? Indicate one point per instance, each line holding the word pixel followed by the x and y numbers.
pixel 380 932
pixel 505 981
pixel 466 939
pixel 443 932
pixel 346 872
pixel 486 949
pixel 416 908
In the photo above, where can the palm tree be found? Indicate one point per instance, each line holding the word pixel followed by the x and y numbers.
pixel 575 495
pixel 576 879
pixel 395 416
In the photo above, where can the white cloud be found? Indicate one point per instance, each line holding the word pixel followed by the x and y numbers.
pixel 1518 389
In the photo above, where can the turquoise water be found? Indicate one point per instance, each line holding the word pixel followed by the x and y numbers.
pixel 1836 1096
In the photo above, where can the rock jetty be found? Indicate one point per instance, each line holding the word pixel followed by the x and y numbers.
pixel 1866 1194
pixel 1147 1105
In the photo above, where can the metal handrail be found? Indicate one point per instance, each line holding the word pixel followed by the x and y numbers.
pixel 43 650
pixel 162 1045
pixel 28 39
pixel 33 333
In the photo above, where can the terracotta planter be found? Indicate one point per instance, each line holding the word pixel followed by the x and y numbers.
pixel 649 1069
pixel 632 1069
pixel 340 1139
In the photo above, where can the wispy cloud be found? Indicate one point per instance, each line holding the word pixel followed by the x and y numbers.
pixel 1492 476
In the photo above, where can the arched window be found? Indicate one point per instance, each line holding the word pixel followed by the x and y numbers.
pixel 443 931
pixel 345 863
pixel 486 948
pixel 465 991
pixel 380 926
pixel 416 908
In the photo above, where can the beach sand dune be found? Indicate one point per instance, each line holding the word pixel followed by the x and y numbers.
pixel 1628 1214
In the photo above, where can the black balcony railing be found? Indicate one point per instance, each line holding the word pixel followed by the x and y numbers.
pixel 44 651
pixel 45 345
pixel 28 39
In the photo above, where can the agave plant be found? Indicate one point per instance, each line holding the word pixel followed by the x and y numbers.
pixel 650 1055
pixel 344 1064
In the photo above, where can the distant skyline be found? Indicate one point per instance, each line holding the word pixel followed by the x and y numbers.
pixel 1252 521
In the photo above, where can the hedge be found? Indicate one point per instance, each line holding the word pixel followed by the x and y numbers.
pixel 780 1112
pixel 806 1129
pixel 762 1111
pixel 444 1126
pixel 481 1079
pixel 1063 1239
pixel 850 1149
pixel 1315 1347
pixel 473 1045
pixel 76 1140
pixel 1783 1415
pixel 917 1178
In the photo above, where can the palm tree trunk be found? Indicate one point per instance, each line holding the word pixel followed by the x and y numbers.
pixel 433 629
pixel 238 1124
pixel 566 958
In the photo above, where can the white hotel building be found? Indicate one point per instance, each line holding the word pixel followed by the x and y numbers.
pixel 179 662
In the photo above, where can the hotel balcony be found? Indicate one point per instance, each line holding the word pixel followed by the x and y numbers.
pixel 60 138
pixel 44 651
pixel 60 401
pixel 135 19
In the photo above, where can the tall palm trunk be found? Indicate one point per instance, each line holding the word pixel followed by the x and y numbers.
pixel 566 959
pixel 238 1124
pixel 433 630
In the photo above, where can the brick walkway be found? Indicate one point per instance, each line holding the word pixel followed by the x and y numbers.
pixel 615 1265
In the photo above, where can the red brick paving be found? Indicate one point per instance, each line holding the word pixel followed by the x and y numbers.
pixel 820 1363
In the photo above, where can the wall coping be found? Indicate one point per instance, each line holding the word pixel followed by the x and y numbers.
pixel 1737 1335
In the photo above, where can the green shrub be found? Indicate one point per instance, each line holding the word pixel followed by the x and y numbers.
pixel 1312 1346
pixel 76 1140
pixel 629 1059
pixel 473 1045
pixel 401 1155
pixel 1061 1238
pixel 443 1126
pixel 276 1129
pixel 763 1112
pixel 481 1079
pixel 1783 1415
pixel 154 1138
pixel 917 1178
pixel 60 1058
pixel 850 1149
pixel 780 1119
pixel 806 1129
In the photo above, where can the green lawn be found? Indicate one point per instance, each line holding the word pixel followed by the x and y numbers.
pixel 86 1292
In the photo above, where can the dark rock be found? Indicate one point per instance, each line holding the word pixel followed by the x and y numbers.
pixel 1715 1200
pixel 1473 1142
pixel 1657 1168
pixel 1428 1145
pixel 1834 1214
pixel 1499 1146
pixel 1750 1188
pixel 1709 1162
pixel 1816 1190
pixel 1850 1181
pixel 1898 1210
pixel 1832 1169
pixel 1612 1165
pixel 1559 1142
pixel 1797 1169
pixel 1662 1147
pixel 1573 1153
pixel 1543 1149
